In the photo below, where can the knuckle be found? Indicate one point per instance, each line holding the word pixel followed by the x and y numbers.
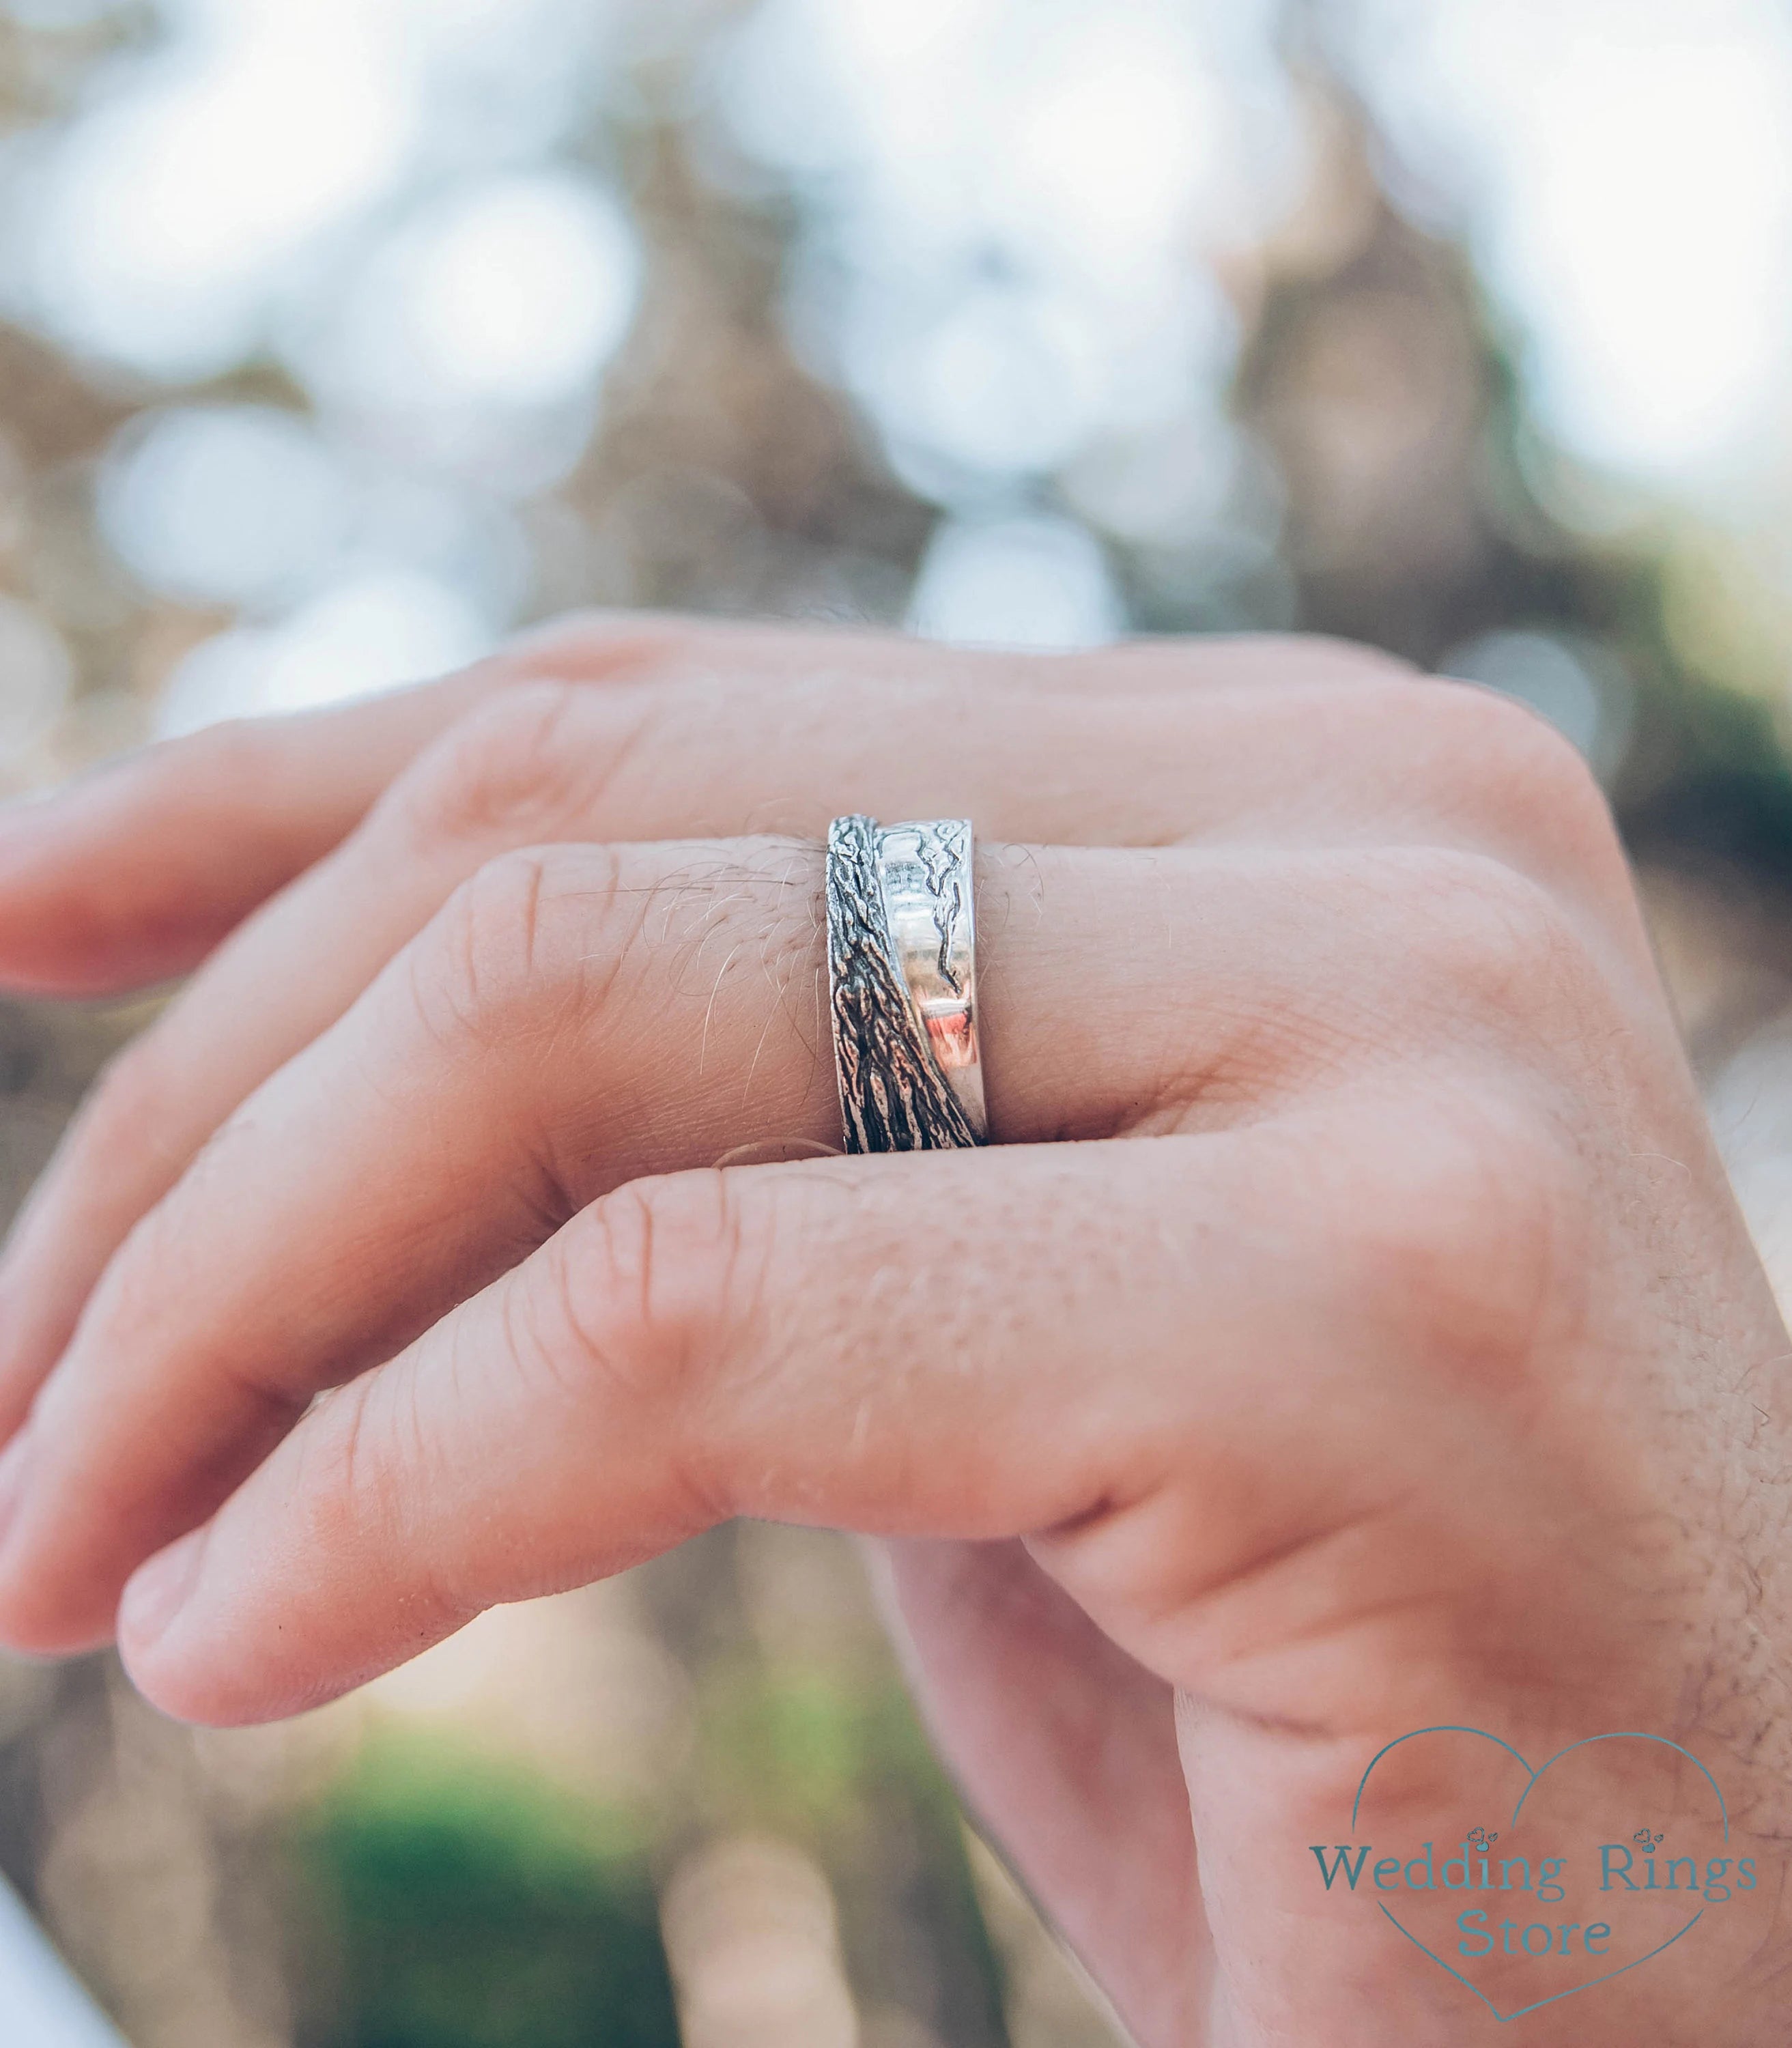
pixel 233 758
pixel 513 945
pixel 595 645
pixel 1506 740
pixel 1511 765
pixel 700 913
pixel 1305 658
pixel 374 1449
pixel 594 940
pixel 123 1116
pixel 1484 939
pixel 1473 1234
pixel 339 1476
pixel 634 1308
pixel 1322 657
pixel 522 766
pixel 149 1269
pixel 1468 1208
pixel 662 1255
pixel 596 1323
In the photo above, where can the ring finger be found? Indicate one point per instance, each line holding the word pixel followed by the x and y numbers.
pixel 576 1018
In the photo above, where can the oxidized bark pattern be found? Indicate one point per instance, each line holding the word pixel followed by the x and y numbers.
pixel 942 856
pixel 893 1096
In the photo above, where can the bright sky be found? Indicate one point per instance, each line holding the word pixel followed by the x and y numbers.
pixel 1626 170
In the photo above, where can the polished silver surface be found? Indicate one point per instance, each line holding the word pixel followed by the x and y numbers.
pixel 901 986
pixel 930 912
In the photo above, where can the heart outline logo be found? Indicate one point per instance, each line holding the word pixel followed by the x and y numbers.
pixel 1534 1776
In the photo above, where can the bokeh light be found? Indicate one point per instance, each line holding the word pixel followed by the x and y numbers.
pixel 1031 583
pixel 365 635
pixel 507 296
pixel 340 338
pixel 239 505
pixel 1624 172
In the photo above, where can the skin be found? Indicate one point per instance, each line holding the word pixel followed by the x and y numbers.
pixel 1352 1330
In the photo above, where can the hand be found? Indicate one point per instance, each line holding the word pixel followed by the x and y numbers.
pixel 1351 1331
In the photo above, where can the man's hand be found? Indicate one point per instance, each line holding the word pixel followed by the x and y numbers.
pixel 1351 1331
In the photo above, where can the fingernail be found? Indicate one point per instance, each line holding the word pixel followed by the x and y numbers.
pixel 15 1471
pixel 158 1590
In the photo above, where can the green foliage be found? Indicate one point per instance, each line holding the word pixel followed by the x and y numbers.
pixel 476 1907
pixel 785 1747
pixel 805 1752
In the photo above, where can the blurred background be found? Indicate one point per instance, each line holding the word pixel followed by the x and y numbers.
pixel 338 337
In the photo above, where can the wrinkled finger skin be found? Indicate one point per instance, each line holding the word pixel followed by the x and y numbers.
pixel 1351 1331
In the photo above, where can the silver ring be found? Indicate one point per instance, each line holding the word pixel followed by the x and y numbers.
pixel 901 985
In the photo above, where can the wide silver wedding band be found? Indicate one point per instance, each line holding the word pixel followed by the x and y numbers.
pixel 902 985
